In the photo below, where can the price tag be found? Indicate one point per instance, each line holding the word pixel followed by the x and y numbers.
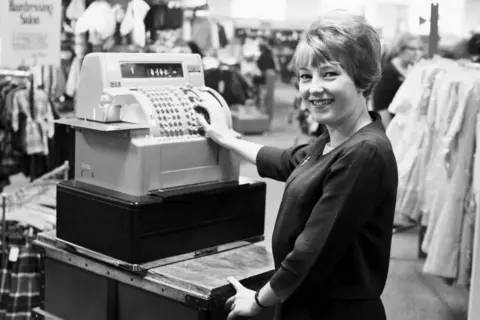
pixel 14 253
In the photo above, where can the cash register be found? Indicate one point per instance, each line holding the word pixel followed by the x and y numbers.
pixel 148 185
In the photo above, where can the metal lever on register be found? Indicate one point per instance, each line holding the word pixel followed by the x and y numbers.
pixel 195 188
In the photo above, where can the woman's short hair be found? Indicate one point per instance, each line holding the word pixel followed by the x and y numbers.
pixel 403 42
pixel 345 38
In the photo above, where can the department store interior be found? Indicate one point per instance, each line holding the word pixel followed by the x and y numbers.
pixel 103 126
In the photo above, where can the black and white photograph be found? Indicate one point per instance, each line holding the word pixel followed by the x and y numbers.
pixel 239 159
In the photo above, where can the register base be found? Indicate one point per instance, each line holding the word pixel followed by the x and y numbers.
pixel 140 229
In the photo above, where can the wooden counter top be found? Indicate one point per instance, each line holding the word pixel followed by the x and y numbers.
pixel 208 275
pixel 204 278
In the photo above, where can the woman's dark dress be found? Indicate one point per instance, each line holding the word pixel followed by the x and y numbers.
pixel 331 242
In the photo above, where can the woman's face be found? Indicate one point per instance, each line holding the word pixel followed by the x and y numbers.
pixel 328 92
pixel 413 51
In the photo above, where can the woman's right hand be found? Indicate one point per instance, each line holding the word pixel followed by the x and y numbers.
pixel 216 128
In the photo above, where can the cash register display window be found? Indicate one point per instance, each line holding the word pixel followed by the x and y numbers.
pixel 151 70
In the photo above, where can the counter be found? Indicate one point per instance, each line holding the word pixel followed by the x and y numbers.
pixel 80 286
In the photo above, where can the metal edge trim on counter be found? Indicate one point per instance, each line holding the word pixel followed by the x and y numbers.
pixel 145 283
pixel 141 269
pixel 153 282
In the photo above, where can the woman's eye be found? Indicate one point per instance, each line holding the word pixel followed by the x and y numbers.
pixel 304 76
pixel 330 74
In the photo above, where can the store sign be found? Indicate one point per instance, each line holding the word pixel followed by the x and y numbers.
pixel 30 32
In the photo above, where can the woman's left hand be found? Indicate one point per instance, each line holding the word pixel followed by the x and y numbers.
pixel 242 303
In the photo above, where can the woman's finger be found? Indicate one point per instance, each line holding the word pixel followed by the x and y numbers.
pixel 203 122
pixel 229 302
pixel 232 315
pixel 235 283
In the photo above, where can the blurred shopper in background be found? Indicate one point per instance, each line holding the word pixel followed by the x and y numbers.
pixel 266 80
pixel 194 48
pixel 473 47
pixel 408 49
pixel 265 62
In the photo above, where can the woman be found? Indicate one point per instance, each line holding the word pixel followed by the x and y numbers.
pixel 331 242
pixel 407 51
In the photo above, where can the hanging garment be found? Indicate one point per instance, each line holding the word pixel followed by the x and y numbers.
pixel 441 93
pixel 155 19
pixel 21 276
pixel 73 77
pixel 443 254
pixel 222 36
pixel 20 281
pixel 75 9
pixel 39 126
pixel 11 150
pixel 407 143
pixel 202 34
pixel 173 18
pixel 161 17
pixel 467 238
pixel 434 176
pixel 215 35
pixel 437 179
pixel 133 22
pixel 99 21
pixel 51 79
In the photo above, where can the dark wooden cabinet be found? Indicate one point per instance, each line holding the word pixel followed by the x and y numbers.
pixel 77 287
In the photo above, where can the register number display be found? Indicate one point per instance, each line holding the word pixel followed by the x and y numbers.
pixel 151 70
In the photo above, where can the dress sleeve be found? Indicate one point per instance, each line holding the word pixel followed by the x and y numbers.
pixel 278 164
pixel 348 201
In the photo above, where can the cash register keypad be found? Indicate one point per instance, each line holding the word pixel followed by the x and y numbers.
pixel 174 111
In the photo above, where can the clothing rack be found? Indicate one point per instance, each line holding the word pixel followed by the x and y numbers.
pixel 22 266
pixel 20 194
pixel 451 129
pixel 28 75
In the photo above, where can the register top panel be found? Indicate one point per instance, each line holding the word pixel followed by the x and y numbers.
pixel 100 126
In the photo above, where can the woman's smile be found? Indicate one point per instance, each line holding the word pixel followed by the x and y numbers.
pixel 320 103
